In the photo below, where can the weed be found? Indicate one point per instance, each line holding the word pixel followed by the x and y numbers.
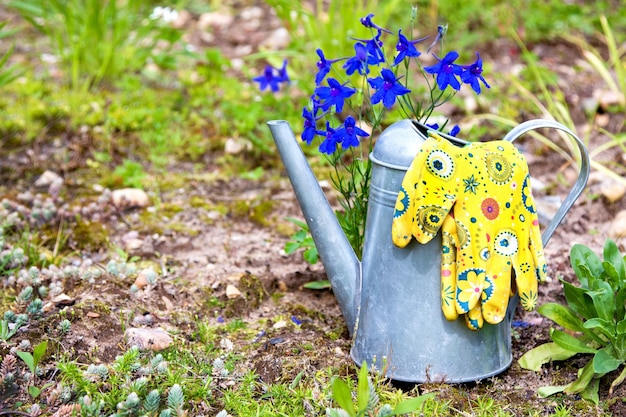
pixel 97 42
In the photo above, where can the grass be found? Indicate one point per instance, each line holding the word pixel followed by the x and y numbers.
pixel 129 126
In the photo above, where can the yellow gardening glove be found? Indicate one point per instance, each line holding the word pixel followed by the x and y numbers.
pixel 494 228
pixel 497 229
pixel 420 210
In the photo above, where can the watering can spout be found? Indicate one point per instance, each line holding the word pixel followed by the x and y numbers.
pixel 340 261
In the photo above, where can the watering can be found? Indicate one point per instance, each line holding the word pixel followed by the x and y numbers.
pixel 391 299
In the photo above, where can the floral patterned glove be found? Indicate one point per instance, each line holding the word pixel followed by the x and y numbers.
pixel 479 195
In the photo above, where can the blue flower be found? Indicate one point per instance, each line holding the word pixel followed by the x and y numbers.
pixel 446 71
pixel 323 66
pixel 329 145
pixel 360 61
pixel 272 77
pixel 333 95
pixel 406 48
pixel 473 73
pixel 367 22
pixel 387 88
pixel 310 124
pixel 348 134
pixel 453 132
pixel 282 73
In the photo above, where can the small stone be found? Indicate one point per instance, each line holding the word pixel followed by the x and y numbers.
pixel 141 281
pixel 282 287
pixel 92 315
pixel 613 191
pixel 47 179
pixel 232 291
pixel 130 198
pixel 235 146
pixel 617 229
pixel 148 339
pixel 279 324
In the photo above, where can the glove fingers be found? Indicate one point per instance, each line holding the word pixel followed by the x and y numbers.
pixel 536 248
pixel 404 214
pixel 526 278
pixel 436 190
pixel 448 268
pixel 495 297
pixel 474 318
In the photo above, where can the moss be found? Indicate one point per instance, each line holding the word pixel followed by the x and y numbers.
pixel 89 235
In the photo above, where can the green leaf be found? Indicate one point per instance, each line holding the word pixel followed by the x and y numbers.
pixel 590 393
pixel 621 326
pixel 28 360
pixel 343 396
pixel 311 255
pixel 605 326
pixel 612 275
pixel 579 301
pixel 582 257
pixel 534 358
pixel 603 299
pixel 39 351
pixel 318 285
pixel 291 247
pixel 570 343
pixel 561 315
pixel 584 378
pixel 410 405
pixel 620 302
pixel 614 257
pixel 34 391
pixel 604 361
pixel 363 389
pixel 550 390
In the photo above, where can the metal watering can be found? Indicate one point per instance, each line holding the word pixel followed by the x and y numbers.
pixel 391 299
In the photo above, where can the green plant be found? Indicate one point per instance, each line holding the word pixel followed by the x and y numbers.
pixel 32 361
pixel 594 322
pixel 367 400
pixel 302 240
pixel 8 73
pixel 100 40
pixel 131 173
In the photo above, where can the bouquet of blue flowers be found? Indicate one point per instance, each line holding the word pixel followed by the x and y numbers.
pixel 353 94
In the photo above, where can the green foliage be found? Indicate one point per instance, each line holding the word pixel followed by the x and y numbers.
pixel 97 40
pixel 131 173
pixel 594 322
pixel 318 24
pixel 367 400
pixel 7 73
pixel 302 239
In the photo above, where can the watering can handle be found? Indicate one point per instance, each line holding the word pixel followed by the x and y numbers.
pixel 583 176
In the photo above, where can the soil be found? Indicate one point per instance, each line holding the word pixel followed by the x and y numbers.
pixel 231 232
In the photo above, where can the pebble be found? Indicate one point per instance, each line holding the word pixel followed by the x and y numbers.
pixel 232 291
pixel 130 198
pixel 148 339
pixel 279 324
pixel 617 229
pixel 48 178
